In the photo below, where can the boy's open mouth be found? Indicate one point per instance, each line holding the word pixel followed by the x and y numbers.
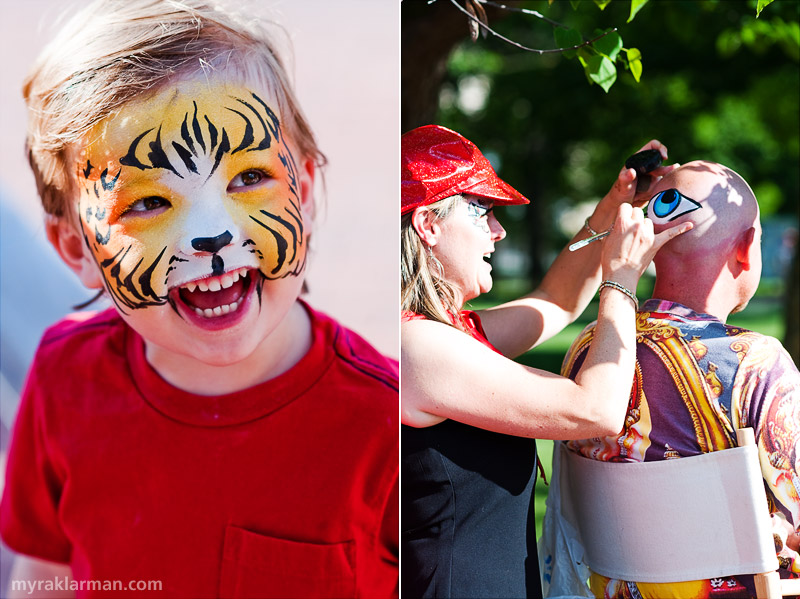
pixel 216 296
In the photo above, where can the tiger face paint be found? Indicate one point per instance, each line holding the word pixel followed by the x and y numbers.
pixel 192 198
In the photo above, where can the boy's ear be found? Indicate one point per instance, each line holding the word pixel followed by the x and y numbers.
pixel 70 245
pixel 744 246
pixel 426 224
pixel 307 174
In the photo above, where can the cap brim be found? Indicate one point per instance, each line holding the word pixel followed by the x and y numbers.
pixel 497 190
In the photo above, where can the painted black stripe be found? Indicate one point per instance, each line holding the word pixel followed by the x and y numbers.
pixel 248 138
pixel 186 156
pixel 267 141
pixel 281 243
pixel 130 158
pixel 198 132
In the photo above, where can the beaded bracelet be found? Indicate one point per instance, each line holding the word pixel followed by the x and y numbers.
pixel 592 232
pixel 623 289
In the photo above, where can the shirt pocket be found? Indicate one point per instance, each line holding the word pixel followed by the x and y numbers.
pixel 257 565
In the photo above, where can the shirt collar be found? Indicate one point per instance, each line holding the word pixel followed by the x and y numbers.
pixel 658 307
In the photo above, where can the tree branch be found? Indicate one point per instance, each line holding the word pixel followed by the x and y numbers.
pixel 527 11
pixel 526 48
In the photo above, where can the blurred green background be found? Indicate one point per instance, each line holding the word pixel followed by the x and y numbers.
pixel 717 83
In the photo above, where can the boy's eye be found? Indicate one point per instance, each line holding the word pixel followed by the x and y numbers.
pixel 247 179
pixel 149 204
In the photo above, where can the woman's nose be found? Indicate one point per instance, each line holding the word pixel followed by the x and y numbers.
pixel 498 232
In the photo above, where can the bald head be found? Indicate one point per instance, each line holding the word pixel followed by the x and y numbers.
pixel 713 197
pixel 716 266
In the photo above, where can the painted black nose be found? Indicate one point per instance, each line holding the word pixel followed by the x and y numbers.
pixel 212 244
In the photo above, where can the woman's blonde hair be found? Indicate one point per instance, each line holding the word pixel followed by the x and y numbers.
pixel 114 51
pixel 423 289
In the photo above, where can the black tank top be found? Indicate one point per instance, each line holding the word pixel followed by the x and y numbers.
pixel 467 513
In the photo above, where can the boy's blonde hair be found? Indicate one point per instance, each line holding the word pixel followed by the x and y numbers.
pixel 114 51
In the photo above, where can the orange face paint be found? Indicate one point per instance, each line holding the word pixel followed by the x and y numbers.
pixel 196 181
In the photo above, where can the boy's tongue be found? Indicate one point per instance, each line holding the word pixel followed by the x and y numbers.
pixel 212 299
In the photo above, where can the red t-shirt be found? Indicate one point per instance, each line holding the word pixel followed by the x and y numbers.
pixel 286 489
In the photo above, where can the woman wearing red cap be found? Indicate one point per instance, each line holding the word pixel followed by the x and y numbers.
pixel 470 413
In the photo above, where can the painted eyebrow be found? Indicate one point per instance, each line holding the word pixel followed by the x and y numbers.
pixel 193 138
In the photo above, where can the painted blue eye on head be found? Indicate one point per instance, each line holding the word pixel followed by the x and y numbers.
pixel 670 204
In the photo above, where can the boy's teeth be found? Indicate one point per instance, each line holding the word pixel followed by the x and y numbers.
pixel 219 310
pixel 217 283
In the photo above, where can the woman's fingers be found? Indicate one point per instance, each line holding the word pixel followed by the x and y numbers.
pixel 632 244
pixel 660 171
pixel 654 144
pixel 624 188
pixel 669 234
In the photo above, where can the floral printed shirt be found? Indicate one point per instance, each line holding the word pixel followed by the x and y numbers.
pixel 697 380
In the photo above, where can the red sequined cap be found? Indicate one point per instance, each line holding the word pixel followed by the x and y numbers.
pixel 438 163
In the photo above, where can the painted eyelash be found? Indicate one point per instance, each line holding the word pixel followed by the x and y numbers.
pixel 480 210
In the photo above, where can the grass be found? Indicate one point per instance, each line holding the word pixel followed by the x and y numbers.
pixel 764 314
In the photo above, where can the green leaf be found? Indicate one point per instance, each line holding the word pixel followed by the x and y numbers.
pixel 585 53
pixel 609 45
pixel 728 43
pixel 602 3
pixel 762 4
pixel 566 38
pixel 574 4
pixel 601 71
pixel 635 63
pixel 636 6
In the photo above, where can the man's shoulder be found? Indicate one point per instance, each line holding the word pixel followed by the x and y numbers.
pixel 760 352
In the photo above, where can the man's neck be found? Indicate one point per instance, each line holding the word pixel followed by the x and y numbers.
pixel 696 295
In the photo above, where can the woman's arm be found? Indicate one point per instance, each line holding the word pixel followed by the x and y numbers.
pixel 570 283
pixel 449 375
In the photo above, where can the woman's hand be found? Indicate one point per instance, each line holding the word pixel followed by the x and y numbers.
pixel 631 245
pixel 624 190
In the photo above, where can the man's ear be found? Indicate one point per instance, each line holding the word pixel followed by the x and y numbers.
pixel 744 246
pixel 426 224
pixel 70 245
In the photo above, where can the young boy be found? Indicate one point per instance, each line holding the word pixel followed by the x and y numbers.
pixel 211 433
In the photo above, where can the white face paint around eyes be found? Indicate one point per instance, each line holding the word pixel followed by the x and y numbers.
pixel 479 214
pixel 668 205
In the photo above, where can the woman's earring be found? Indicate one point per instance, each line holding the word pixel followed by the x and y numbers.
pixel 435 264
